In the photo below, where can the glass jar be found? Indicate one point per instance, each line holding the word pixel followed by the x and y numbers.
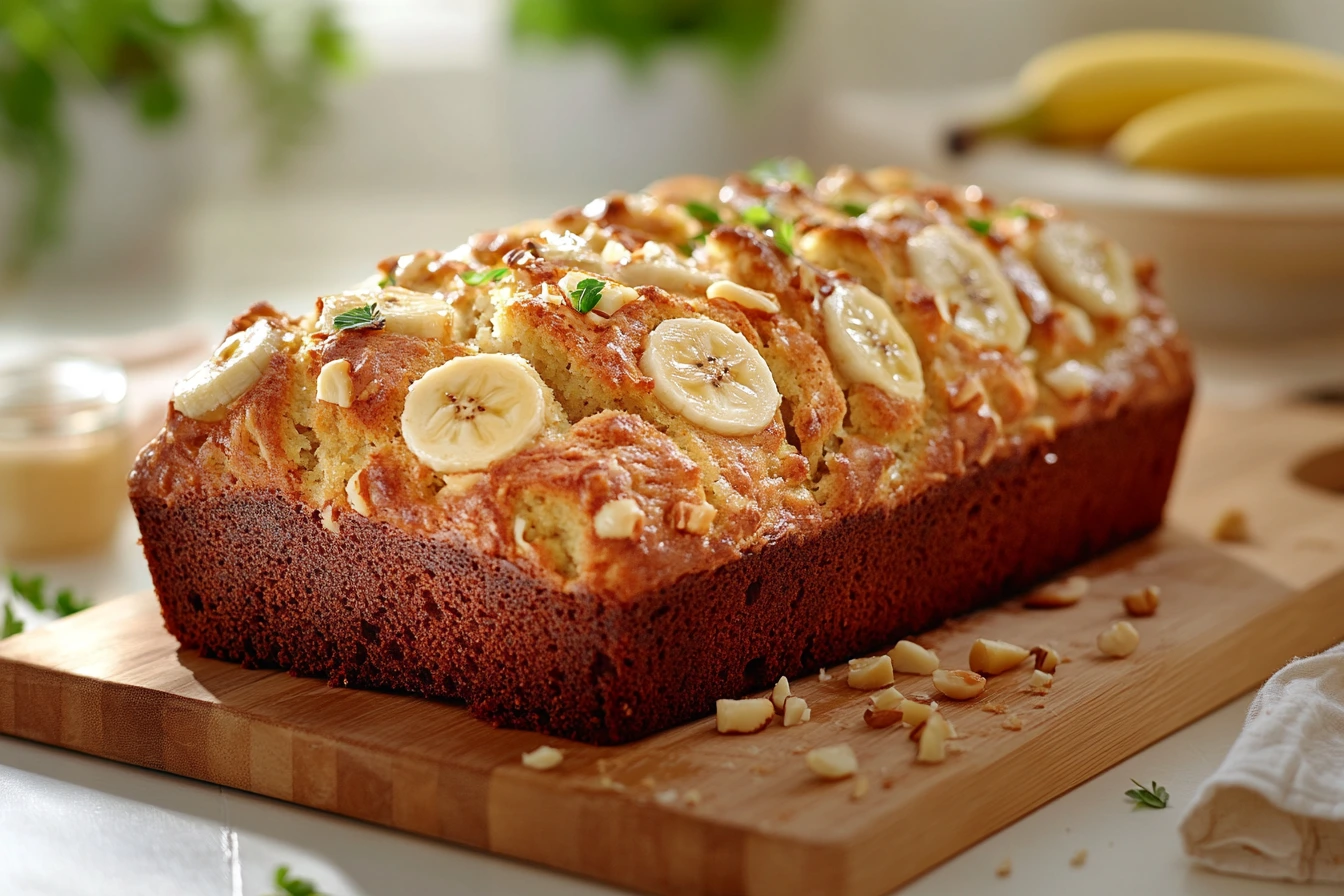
pixel 64 454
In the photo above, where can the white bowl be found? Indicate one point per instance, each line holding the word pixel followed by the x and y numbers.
pixel 1236 257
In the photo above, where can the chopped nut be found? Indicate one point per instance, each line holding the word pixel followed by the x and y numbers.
pixel 997 708
pixel 744 716
pixel 933 737
pixel 1005 868
pixel 870 673
pixel 1054 595
pixel 860 787
pixel 832 763
pixel 890 698
pixel 1120 640
pixel 357 493
pixel 334 384
pixel 1047 659
pixel 780 694
pixel 796 711
pixel 621 518
pixel 1041 681
pixel 543 758
pixel 995 657
pixel 666 797
pixel 916 712
pixel 884 709
pixel 1143 602
pixel 823 675
pixel 959 684
pixel 909 658
pixel 1079 858
pixel 1013 723
pixel 1072 380
pixel 693 518
pixel 1231 526
pixel 693 798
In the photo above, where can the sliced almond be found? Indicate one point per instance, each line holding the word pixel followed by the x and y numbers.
pixel 796 711
pixel 832 763
pixel 870 673
pixel 995 657
pixel 909 658
pixel 1143 602
pixel 744 716
pixel 1047 659
pixel 780 693
pixel 1054 595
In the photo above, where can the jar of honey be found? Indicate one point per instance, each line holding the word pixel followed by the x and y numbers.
pixel 64 454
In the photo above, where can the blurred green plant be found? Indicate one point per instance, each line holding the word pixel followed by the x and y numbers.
pixel 742 31
pixel 135 50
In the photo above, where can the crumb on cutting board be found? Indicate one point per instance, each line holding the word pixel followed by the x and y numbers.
pixel 1231 526
pixel 1005 868
pixel 1079 859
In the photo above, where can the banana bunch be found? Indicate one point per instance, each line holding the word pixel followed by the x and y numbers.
pixel 1183 100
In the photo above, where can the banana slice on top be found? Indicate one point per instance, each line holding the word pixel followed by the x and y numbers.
pixel 234 368
pixel 422 314
pixel 968 283
pixel 1082 264
pixel 474 410
pixel 867 342
pixel 711 375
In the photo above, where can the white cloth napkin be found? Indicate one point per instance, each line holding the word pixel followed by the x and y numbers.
pixel 1275 807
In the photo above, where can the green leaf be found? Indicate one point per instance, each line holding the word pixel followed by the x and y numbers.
pixel 786 169
pixel 32 589
pixel 853 209
pixel 67 604
pixel 586 296
pixel 704 213
pixel 12 625
pixel 979 225
pixel 1019 212
pixel 784 235
pixel 293 886
pixel 476 278
pixel 1154 798
pixel 387 280
pixel 757 216
pixel 359 318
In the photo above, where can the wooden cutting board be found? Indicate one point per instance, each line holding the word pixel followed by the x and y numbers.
pixel 692 811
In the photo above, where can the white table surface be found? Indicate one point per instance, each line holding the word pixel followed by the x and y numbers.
pixel 71 824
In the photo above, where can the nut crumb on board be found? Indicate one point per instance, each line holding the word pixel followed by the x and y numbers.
pixel 1142 602
pixel 692 798
pixel 860 787
pixel 997 708
pixel 1005 868
pixel 823 675
pixel 1231 526
pixel 1079 859
pixel 1056 595
pixel 543 758
pixel 1013 723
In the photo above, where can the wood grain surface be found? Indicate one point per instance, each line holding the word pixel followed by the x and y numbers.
pixel 691 811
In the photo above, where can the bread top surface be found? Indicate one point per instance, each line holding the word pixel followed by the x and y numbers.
pixel 611 489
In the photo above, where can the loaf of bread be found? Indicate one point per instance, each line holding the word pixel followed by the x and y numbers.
pixel 591 473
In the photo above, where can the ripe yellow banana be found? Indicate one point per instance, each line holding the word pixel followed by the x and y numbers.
pixel 1289 128
pixel 1084 90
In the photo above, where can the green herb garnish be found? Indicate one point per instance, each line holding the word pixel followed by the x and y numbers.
pixel 359 318
pixel 784 235
pixel 476 278
pixel 1019 212
pixel 31 589
pixel 586 296
pixel 704 213
pixel 67 604
pixel 1156 798
pixel 12 625
pixel 854 209
pixel 387 280
pixel 757 216
pixel 979 225
pixel 785 168
pixel 293 886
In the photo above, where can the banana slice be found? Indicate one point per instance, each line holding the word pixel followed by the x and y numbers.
pixel 868 343
pixel 474 410
pixel 653 265
pixel 234 368
pixel 711 375
pixel 1093 271
pixel 422 314
pixel 973 292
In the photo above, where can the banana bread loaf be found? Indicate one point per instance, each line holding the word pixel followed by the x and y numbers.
pixel 591 473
